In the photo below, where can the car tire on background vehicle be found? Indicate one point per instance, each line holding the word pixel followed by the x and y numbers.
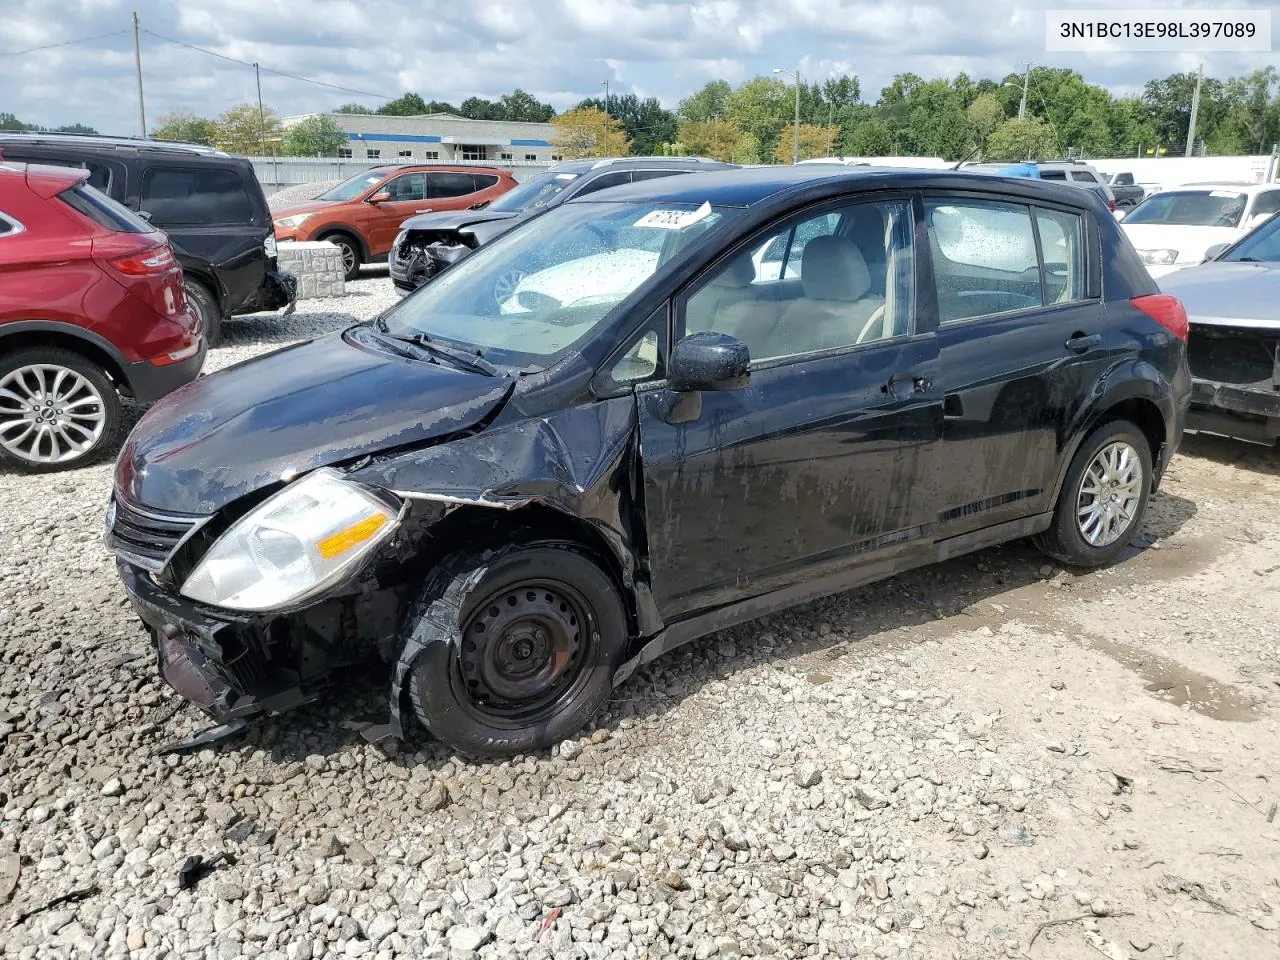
pixel 1103 498
pixel 205 304
pixel 540 631
pixel 351 257
pixel 44 376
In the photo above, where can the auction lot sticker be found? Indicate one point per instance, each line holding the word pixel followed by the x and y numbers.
pixel 1157 31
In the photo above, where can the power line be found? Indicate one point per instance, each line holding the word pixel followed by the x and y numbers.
pixel 279 73
pixel 64 43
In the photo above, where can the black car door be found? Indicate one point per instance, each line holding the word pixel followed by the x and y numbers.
pixel 1020 349
pixel 817 465
pixel 215 227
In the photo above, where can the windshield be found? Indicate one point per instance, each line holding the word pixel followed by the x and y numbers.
pixel 527 298
pixel 1191 208
pixel 533 193
pixel 1262 244
pixel 350 189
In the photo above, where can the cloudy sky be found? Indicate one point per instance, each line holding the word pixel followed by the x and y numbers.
pixel 559 50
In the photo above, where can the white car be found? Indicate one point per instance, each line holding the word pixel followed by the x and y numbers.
pixel 1175 228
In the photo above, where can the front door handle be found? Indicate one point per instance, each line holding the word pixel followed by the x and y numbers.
pixel 1082 342
pixel 919 384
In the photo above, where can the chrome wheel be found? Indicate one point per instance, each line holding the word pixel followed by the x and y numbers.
pixel 49 413
pixel 348 256
pixel 504 287
pixel 1110 494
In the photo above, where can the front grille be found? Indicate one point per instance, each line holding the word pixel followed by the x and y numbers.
pixel 146 537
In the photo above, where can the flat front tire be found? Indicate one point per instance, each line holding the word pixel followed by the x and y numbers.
pixel 1103 498
pixel 520 647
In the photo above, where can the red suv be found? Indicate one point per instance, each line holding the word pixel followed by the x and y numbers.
pixel 362 215
pixel 91 308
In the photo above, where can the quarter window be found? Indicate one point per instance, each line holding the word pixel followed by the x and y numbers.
pixel 1062 249
pixel 176 195
pixel 839 279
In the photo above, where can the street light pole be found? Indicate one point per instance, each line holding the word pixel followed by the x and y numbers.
pixel 607 117
pixel 137 63
pixel 795 151
pixel 1022 107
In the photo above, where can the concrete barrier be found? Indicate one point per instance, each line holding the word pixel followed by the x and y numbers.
pixel 316 264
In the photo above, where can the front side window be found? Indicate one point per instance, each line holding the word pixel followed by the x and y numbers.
pixel 531 295
pixel 1261 245
pixel 412 186
pixel 1266 203
pixel 984 258
pixel 537 192
pixel 1191 208
pixel 355 186
pixel 605 182
pixel 838 279
pixel 178 195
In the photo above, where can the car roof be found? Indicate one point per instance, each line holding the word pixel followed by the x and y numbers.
pixel 603 164
pixel 748 186
pixel 1235 186
pixel 430 168
pixel 99 144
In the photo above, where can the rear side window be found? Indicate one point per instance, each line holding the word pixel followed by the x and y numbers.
pixel 605 182
pixel 484 181
pixel 180 195
pixel 984 258
pixel 443 185
pixel 638 175
pixel 104 211
pixel 1084 176
pixel 1053 175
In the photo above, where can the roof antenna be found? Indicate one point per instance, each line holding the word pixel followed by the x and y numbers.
pixel 967 157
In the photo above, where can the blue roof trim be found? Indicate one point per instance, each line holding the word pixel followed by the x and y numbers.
pixel 393 137
pixel 530 143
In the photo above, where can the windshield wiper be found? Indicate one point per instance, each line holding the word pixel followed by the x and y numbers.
pixel 464 358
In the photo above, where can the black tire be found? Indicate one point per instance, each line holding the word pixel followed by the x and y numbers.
pixel 467 684
pixel 105 405
pixel 205 304
pixel 1065 539
pixel 351 255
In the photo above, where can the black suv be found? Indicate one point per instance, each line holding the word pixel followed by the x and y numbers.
pixel 208 202
pixel 430 242
pixel 667 426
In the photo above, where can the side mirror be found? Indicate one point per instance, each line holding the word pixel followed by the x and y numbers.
pixel 709 361
pixel 1214 252
pixel 145 215
pixel 380 197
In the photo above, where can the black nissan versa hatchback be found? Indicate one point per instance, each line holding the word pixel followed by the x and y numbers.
pixel 706 399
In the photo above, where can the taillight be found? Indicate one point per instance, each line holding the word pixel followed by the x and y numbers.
pixel 1166 310
pixel 1111 204
pixel 153 261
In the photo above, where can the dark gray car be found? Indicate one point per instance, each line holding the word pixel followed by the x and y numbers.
pixel 1233 302
pixel 430 242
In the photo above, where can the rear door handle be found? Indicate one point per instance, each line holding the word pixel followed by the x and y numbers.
pixel 1082 342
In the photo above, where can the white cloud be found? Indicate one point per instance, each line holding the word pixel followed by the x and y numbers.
pixel 559 50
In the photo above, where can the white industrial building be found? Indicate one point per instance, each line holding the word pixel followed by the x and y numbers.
pixel 440 137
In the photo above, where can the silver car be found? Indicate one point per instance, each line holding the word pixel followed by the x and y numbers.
pixel 1233 302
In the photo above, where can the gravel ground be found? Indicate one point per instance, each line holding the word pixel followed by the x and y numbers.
pixel 993 757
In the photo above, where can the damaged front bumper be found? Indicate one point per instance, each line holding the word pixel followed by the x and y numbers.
pixel 414 262
pixel 1235 385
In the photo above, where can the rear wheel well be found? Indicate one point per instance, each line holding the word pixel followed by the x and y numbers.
pixel 1144 415
pixel 23 339
pixel 193 276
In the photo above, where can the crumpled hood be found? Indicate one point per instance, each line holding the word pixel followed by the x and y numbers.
pixel 453 219
pixel 306 406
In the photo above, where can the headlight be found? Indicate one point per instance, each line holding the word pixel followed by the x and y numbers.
pixel 297 543
pixel 291 223
pixel 1158 256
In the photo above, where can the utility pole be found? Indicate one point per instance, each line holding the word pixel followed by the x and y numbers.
pixel 831 112
pixel 795 153
pixel 1026 79
pixel 137 62
pixel 1195 109
pixel 607 117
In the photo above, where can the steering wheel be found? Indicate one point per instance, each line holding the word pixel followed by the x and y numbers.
pixel 877 317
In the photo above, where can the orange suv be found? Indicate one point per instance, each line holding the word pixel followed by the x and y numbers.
pixel 362 215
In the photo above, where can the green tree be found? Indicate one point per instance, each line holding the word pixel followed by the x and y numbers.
pixel 407 105
pixel 719 140
pixel 1254 109
pixel 1027 139
pixel 521 107
pixel 9 122
pixel 187 128
pixel 316 136
pixel 985 114
pixel 647 123
pixel 358 108
pixel 869 138
pixel 243 129
pixel 588 132
pixel 1168 104
pixel 813 143
pixel 709 103
pixel 75 128
pixel 761 107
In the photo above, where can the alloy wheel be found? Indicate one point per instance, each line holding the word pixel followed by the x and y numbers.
pixel 49 413
pixel 504 287
pixel 1110 494
pixel 348 256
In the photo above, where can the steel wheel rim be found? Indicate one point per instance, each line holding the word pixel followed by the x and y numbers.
pixel 49 413
pixel 1110 493
pixel 523 653
pixel 505 286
